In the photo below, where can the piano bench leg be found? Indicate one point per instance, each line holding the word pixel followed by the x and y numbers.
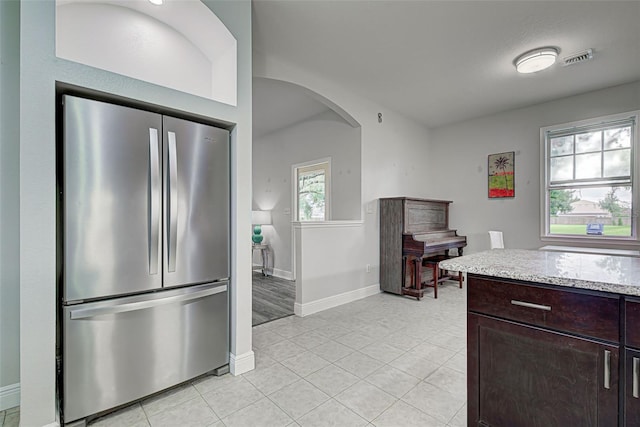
pixel 459 277
pixel 435 268
pixel 436 278
pixel 418 277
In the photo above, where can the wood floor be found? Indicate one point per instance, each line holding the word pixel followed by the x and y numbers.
pixel 273 298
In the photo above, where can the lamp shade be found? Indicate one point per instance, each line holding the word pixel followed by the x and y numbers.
pixel 260 217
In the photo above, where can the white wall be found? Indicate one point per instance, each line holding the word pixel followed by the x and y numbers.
pixel 328 271
pixel 125 41
pixel 394 163
pixel 40 69
pixel 322 136
pixel 458 164
pixel 9 205
pixel 155 44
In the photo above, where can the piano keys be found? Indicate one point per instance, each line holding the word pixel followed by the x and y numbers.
pixel 412 230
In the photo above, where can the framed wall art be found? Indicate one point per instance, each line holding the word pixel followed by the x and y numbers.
pixel 501 171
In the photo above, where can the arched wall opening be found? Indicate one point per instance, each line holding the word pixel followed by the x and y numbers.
pixel 294 126
pixel 181 45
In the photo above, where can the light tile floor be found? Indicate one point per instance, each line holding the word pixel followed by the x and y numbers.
pixel 381 361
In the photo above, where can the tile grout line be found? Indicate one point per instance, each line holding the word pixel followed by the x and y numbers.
pixel 381 330
pixel 207 403
pixel 290 416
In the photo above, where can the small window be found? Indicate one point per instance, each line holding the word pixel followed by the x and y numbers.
pixel 589 179
pixel 312 191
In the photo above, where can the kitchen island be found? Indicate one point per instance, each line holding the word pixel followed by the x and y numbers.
pixel 553 338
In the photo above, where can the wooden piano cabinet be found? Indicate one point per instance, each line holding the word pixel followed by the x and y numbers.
pixel 412 229
pixel 391 229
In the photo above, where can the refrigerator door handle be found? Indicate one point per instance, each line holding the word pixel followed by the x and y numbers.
pixel 172 220
pixel 154 201
pixel 86 313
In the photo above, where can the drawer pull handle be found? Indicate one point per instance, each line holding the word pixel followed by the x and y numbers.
pixel 531 305
pixel 607 369
pixel 636 377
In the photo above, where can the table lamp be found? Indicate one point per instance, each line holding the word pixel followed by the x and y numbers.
pixel 258 219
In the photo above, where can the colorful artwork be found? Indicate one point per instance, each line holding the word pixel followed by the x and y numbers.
pixel 501 174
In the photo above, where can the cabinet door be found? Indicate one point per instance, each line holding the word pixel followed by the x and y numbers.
pixel 632 388
pixel 632 319
pixel 525 376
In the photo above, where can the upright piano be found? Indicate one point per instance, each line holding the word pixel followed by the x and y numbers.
pixel 412 230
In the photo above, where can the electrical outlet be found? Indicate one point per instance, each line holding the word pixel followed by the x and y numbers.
pixel 368 268
pixel 287 211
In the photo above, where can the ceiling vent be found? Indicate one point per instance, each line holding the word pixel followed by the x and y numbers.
pixel 577 58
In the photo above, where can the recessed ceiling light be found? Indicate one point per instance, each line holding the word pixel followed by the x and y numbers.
pixel 156 2
pixel 536 60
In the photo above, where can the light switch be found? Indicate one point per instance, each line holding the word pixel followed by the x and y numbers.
pixel 370 207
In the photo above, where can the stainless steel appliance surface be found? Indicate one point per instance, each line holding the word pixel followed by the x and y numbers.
pixel 145 253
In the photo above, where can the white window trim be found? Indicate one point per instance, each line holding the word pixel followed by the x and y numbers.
pixel 635 179
pixel 294 188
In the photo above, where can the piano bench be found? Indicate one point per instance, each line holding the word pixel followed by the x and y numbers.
pixel 439 275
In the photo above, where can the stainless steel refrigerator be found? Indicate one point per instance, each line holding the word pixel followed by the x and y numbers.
pixel 144 223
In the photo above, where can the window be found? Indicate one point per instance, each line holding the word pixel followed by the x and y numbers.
pixel 312 191
pixel 589 179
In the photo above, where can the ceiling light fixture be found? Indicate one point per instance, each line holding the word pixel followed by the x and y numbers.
pixel 536 60
pixel 156 2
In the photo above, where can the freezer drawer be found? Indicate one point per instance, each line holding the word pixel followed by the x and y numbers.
pixel 121 350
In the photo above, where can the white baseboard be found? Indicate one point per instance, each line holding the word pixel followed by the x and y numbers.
pixel 335 300
pixel 242 363
pixel 9 396
pixel 276 272
pixel 282 274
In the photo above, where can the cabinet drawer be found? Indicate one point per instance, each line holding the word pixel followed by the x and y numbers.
pixel 569 311
pixel 632 323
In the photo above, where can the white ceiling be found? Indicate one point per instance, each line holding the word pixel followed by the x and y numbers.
pixel 441 62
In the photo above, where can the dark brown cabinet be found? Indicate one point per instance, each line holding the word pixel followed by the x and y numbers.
pixel 632 388
pixel 632 363
pixel 527 376
pixel 542 356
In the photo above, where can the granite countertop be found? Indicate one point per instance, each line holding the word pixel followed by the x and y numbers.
pixel 618 274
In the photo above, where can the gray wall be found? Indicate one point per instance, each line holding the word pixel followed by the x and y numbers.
pixel 458 163
pixel 325 135
pixel 9 194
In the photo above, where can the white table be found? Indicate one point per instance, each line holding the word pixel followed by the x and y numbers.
pixel 264 249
